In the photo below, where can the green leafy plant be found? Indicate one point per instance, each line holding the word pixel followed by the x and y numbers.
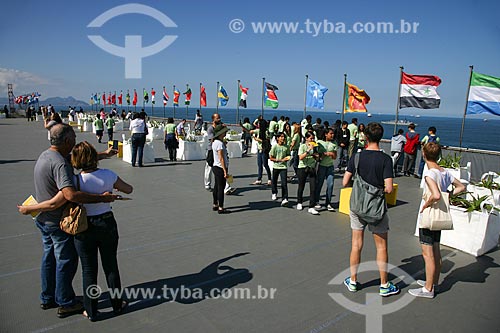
pixel 489 184
pixel 451 162
pixel 471 205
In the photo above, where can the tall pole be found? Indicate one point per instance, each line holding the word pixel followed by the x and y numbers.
pixel 217 98
pixel 174 101
pixel 121 104
pixel 344 97
pixel 262 99
pixel 238 103
pixel 305 98
pixel 187 105
pixel 143 101
pixel 200 96
pixel 162 99
pixel 397 103
pixel 152 104
pixel 466 103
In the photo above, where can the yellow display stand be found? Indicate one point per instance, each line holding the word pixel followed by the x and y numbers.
pixel 120 148
pixel 345 197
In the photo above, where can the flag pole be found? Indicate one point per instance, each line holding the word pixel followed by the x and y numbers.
pixel 217 98
pixel 143 101
pixel 465 109
pixel 397 103
pixel 162 99
pixel 262 99
pixel 343 97
pixel 121 104
pixel 200 96
pixel 238 103
pixel 174 101
pixel 152 104
pixel 305 98
pixel 187 105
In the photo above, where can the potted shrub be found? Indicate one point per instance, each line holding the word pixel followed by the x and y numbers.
pixel 476 225
pixel 452 164
pixel 487 187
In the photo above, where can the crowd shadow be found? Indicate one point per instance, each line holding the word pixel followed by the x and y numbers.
pixel 209 282
pixel 254 205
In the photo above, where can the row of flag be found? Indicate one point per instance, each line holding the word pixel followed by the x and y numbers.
pixel 418 91
pixel 29 99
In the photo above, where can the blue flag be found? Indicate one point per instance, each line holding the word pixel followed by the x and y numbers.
pixel 223 97
pixel 315 94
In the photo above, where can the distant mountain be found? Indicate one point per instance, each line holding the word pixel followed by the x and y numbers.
pixel 56 101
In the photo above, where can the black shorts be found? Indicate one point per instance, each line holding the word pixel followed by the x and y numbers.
pixel 99 132
pixel 429 237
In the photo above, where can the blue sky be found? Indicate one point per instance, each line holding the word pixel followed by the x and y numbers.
pixel 45 48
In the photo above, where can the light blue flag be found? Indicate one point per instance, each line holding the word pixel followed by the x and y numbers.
pixel 315 94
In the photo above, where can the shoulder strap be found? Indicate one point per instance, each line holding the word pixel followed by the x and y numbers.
pixel 78 182
pixel 356 162
pixel 438 174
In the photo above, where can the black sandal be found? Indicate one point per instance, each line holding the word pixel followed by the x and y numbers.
pixel 215 208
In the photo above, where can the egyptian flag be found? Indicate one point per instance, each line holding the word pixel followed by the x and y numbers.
pixel 419 91
pixel 146 96
pixel 203 96
pixel 104 98
pixel 113 99
pixel 153 92
pixel 270 97
pixel 165 97
pixel 134 101
pixel 120 98
pixel 176 97
pixel 242 96
pixel 127 98
pixel 187 101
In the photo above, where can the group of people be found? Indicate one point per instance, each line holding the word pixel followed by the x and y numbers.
pixel 407 146
pixel 310 150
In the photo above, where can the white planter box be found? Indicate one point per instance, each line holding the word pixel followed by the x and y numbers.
pixel 190 151
pixel 475 233
pixel 477 191
pixel 234 149
pixel 79 121
pixel 148 155
pixel 87 127
pixel 2 116
pixel 155 133
pixel 39 117
pixel 118 126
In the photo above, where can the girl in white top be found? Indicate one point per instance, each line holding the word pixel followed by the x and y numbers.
pixel 220 167
pixel 437 179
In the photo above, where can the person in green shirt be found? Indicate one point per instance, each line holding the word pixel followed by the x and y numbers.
pixel 110 122
pixel 308 155
pixel 170 141
pixel 294 148
pixel 328 152
pixel 273 127
pixel 353 131
pixel 261 135
pixel 361 137
pixel 247 136
pixel 99 128
pixel 280 155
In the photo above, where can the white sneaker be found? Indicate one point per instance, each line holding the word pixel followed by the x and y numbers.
pixel 284 202
pixel 330 208
pixel 274 196
pixel 318 206
pixel 421 283
pixel 313 211
pixel 299 206
pixel 421 292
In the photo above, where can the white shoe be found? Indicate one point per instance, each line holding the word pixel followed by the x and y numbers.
pixel 284 202
pixel 421 292
pixel 330 208
pixel 313 211
pixel 299 206
pixel 318 206
pixel 274 196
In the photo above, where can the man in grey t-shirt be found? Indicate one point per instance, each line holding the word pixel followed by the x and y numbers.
pixel 53 173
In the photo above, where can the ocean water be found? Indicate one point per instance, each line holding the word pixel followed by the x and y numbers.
pixel 478 134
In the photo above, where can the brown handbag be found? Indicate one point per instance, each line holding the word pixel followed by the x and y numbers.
pixel 74 217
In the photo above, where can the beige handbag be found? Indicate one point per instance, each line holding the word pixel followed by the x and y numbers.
pixel 437 216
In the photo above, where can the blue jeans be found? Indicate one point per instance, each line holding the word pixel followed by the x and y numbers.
pixel 342 154
pixel 138 142
pixel 262 162
pixel 327 173
pixel 59 264
pixel 295 161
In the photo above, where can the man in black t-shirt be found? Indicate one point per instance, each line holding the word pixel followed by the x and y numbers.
pixel 375 167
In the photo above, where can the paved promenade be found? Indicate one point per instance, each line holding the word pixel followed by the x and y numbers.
pixel 170 236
